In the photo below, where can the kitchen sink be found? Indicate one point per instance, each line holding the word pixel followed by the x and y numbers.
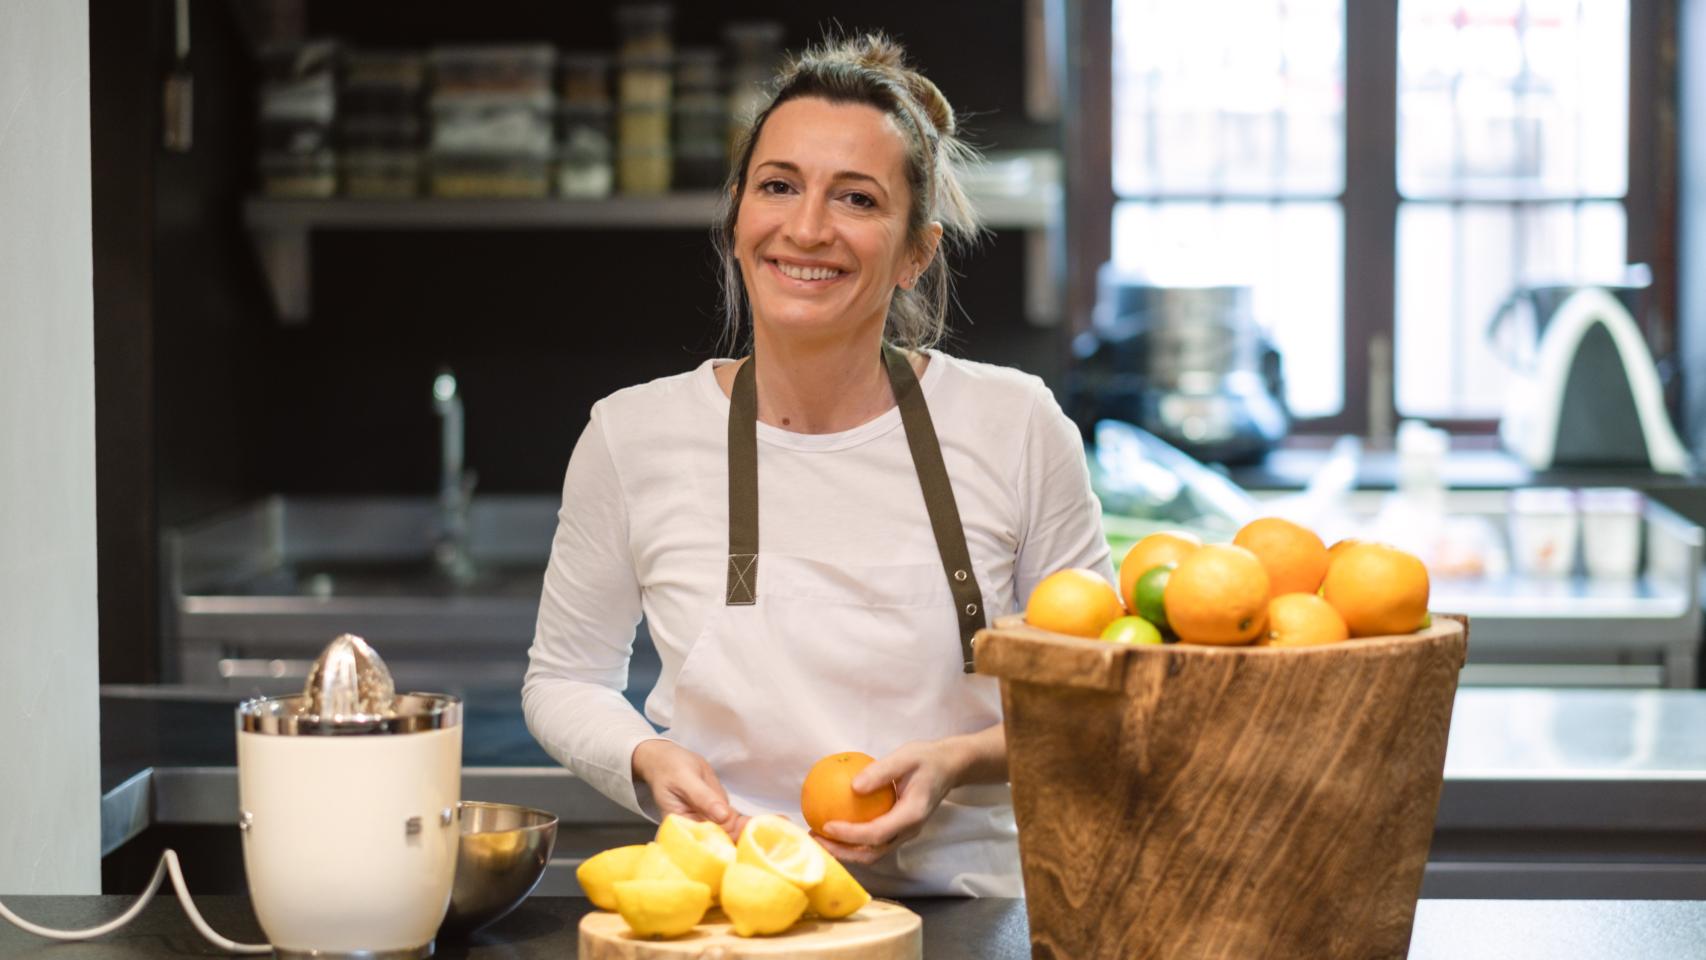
pixel 259 591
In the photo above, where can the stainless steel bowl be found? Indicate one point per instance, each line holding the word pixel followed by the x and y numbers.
pixel 501 858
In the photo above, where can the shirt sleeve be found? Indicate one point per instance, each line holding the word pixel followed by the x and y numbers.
pixel 1061 524
pixel 578 664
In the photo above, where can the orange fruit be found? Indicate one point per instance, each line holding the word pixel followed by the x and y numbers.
pixel 1378 589
pixel 828 792
pixel 1340 546
pixel 1074 601
pixel 1155 550
pixel 1295 558
pixel 1303 620
pixel 1218 595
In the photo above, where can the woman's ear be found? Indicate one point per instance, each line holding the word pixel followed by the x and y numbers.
pixel 932 240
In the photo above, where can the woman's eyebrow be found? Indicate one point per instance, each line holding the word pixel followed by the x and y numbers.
pixel 839 175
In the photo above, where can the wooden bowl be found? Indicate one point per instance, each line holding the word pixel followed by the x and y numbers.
pixel 1192 801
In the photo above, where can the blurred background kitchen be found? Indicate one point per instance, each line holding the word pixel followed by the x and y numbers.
pixel 1415 270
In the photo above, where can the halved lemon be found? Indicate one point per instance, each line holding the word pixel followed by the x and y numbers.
pixel 839 895
pixel 655 864
pixel 600 873
pixel 758 902
pixel 777 844
pixel 702 850
pixel 662 908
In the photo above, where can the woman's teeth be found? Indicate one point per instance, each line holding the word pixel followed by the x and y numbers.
pixel 806 273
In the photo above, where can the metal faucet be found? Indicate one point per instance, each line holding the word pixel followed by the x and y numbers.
pixel 455 483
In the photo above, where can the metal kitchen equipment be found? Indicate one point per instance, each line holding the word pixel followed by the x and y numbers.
pixel 1187 363
pixel 1585 390
pixel 348 796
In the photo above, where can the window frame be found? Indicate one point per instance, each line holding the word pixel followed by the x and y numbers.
pixel 1370 198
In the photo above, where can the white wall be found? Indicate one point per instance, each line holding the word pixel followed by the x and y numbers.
pixel 49 752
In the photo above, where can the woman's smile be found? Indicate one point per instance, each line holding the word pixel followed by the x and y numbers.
pixel 806 275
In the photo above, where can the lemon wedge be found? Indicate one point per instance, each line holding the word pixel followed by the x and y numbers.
pixel 839 895
pixel 662 908
pixel 701 849
pixel 655 864
pixel 758 902
pixel 600 873
pixel 777 844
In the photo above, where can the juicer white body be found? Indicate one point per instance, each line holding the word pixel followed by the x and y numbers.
pixel 349 842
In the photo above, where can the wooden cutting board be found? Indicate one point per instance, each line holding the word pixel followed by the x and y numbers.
pixel 879 931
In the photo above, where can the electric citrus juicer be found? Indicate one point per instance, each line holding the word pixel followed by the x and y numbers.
pixel 348 811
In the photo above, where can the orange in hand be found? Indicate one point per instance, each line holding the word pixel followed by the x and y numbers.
pixel 1295 558
pixel 1218 595
pixel 828 792
pixel 1379 590
pixel 1155 550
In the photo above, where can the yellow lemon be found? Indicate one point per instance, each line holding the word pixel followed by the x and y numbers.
pixel 782 847
pixel 600 873
pixel 839 895
pixel 702 850
pixel 759 902
pixel 662 908
pixel 655 864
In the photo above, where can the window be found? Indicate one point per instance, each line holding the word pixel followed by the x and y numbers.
pixel 1490 145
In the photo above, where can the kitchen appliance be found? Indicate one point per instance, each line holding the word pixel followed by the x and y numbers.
pixel 348 813
pixel 348 797
pixel 1188 363
pixel 1585 391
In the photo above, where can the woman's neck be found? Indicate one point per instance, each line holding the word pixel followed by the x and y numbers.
pixel 824 386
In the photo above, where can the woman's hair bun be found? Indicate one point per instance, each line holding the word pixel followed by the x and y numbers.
pixel 877 51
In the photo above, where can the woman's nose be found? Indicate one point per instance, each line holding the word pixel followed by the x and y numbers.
pixel 808 225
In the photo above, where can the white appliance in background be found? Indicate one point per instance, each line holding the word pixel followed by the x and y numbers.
pixel 348 797
pixel 1586 392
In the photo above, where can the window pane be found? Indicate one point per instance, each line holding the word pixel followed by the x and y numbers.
pixel 1457 262
pixel 1513 98
pixel 1291 256
pixel 1229 96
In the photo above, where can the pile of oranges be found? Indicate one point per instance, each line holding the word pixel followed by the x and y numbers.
pixel 1275 584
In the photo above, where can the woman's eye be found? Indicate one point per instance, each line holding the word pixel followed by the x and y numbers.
pixel 861 200
pixel 773 187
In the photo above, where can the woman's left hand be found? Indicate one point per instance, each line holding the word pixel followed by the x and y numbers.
pixel 922 772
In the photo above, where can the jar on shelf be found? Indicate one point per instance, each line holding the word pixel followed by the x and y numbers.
pixel 298 97
pixel 299 175
pixel 755 54
pixel 382 83
pixel 466 176
pixel 380 174
pixel 585 154
pixel 517 70
pixel 644 79
pixel 643 172
pixel 583 78
pixel 645 29
pixel 492 123
pixel 643 127
pixel 698 70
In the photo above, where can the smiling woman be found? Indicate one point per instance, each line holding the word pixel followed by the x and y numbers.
pixel 906 495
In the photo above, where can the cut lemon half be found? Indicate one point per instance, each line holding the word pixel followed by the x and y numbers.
pixel 662 908
pixel 655 864
pixel 776 844
pixel 601 872
pixel 839 895
pixel 758 902
pixel 702 850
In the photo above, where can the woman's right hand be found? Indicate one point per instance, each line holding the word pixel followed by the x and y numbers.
pixel 682 782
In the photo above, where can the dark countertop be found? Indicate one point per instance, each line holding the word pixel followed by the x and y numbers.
pixel 545 927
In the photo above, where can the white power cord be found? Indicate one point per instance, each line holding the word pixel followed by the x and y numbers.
pixel 168 862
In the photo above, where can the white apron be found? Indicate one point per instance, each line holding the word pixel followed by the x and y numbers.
pixel 823 658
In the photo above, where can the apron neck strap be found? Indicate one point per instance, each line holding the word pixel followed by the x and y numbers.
pixel 926 449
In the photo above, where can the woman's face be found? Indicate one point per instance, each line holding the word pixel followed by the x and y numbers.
pixel 821 228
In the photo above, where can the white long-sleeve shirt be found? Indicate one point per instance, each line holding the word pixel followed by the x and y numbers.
pixel 643 529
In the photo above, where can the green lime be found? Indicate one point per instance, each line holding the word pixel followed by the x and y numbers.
pixel 1149 592
pixel 1427 621
pixel 1131 630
